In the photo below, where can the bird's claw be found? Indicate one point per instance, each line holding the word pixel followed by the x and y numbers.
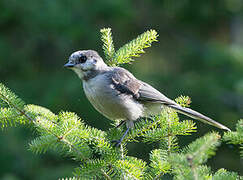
pixel 116 143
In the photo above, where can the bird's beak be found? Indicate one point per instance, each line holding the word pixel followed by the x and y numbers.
pixel 69 65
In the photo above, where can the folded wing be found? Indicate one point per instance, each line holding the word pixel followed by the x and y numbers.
pixel 125 83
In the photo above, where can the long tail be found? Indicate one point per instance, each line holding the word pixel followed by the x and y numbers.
pixel 196 115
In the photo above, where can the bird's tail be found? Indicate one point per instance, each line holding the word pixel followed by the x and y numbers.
pixel 196 115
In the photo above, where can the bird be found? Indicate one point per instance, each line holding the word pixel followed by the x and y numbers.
pixel 119 95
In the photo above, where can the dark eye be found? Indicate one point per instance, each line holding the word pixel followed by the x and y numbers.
pixel 82 59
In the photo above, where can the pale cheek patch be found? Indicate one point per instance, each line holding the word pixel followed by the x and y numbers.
pixel 87 66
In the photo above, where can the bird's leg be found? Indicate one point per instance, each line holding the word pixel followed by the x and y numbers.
pixel 120 124
pixel 118 142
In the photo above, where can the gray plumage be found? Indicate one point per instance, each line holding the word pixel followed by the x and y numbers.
pixel 117 94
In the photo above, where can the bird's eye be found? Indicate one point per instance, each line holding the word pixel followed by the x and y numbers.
pixel 82 59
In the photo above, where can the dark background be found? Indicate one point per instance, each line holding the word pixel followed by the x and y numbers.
pixel 199 54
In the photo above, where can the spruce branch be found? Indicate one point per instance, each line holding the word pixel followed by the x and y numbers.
pixel 64 132
pixel 133 168
pixel 74 135
pixel 159 163
pixel 8 98
pixel 54 133
pixel 203 148
pixel 35 111
pixel 10 117
pixel 171 118
pixel 168 126
pixel 135 47
pixel 43 143
pixel 41 122
pixel 93 169
pixel 236 137
pixel 108 46
pixel 223 174
pixel 184 101
pixel 107 177
pixel 141 128
pixel 183 169
pixel 188 163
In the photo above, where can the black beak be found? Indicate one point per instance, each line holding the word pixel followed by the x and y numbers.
pixel 68 65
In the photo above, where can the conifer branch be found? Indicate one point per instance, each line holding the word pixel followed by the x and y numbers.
pixel 132 49
pixel 141 128
pixel 13 101
pixel 42 144
pixel 107 177
pixel 158 176
pixel 10 117
pixel 192 166
pixel 159 163
pixel 48 127
pixel 236 137
pixel 168 126
pixel 187 164
pixel 135 47
pixel 184 101
pixel 203 148
pixel 108 46
pixel 134 168
pixel 222 174
pixel 10 98
pixel 170 137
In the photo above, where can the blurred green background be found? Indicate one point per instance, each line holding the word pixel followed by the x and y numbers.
pixel 199 54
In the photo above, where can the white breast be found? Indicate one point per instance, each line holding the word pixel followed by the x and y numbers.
pixel 110 102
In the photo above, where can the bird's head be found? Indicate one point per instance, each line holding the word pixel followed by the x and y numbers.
pixel 86 63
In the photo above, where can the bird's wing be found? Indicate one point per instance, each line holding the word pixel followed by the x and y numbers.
pixel 148 93
pixel 124 82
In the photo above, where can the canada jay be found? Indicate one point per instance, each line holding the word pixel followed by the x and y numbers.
pixel 117 94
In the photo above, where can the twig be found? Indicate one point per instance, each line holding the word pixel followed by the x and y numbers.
pixel 105 175
pixel 22 112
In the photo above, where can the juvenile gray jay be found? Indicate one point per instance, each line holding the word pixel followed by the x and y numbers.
pixel 117 94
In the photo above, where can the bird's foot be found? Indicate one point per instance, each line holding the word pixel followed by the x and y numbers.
pixel 116 143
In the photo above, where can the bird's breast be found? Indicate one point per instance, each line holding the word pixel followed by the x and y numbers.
pixel 109 102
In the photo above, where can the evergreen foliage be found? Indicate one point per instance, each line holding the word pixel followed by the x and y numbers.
pixel 236 137
pixel 11 108
pixel 224 174
pixel 92 148
pixel 129 50
pixel 108 45
pixel 188 164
